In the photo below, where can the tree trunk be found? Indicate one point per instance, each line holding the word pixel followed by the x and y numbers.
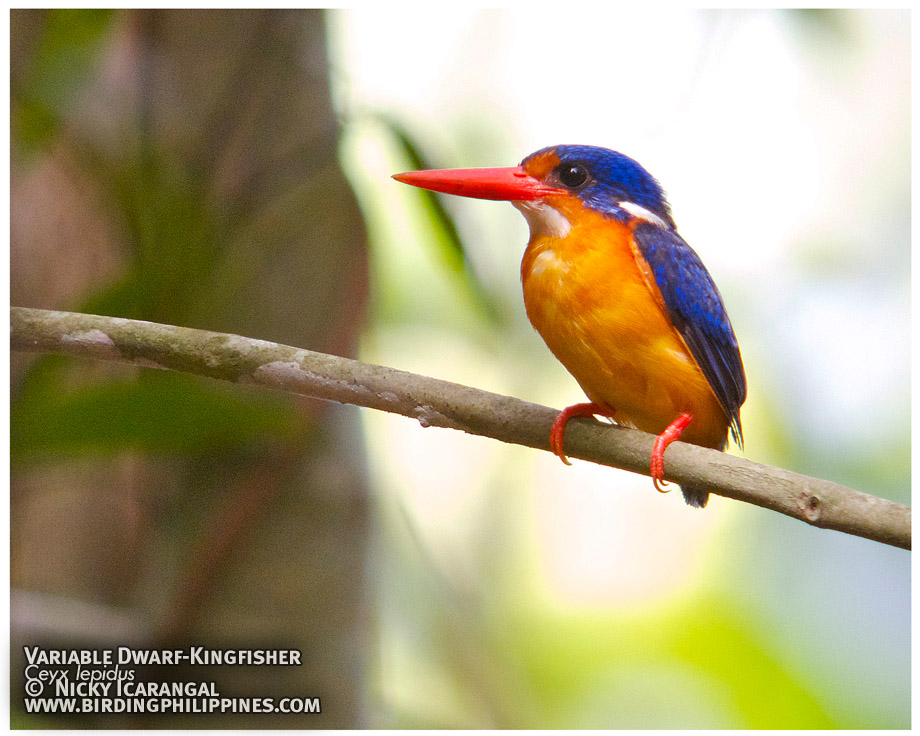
pixel 181 166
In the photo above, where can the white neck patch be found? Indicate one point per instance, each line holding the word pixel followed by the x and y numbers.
pixel 643 214
pixel 544 220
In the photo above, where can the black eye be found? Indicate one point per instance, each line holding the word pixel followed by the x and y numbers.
pixel 573 176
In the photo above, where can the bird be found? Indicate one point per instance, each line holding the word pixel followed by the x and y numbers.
pixel 618 296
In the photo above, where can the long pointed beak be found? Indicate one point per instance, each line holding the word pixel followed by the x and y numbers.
pixel 511 183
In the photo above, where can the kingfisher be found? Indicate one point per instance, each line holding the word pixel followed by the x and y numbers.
pixel 618 296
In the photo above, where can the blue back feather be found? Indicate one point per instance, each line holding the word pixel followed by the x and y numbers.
pixel 695 308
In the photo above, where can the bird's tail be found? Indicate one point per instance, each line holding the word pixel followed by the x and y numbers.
pixel 696 497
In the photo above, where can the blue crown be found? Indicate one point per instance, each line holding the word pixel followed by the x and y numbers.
pixel 614 178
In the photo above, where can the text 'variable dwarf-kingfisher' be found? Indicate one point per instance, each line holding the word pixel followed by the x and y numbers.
pixel 618 296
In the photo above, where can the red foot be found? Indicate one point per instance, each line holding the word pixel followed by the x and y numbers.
pixel 671 433
pixel 556 435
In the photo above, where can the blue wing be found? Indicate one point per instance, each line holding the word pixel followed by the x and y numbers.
pixel 696 310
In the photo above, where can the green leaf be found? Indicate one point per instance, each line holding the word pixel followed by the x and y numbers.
pixel 453 251
pixel 155 412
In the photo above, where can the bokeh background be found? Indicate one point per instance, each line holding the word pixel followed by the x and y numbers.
pixel 190 167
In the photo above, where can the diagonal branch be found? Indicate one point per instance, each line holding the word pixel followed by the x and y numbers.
pixel 439 403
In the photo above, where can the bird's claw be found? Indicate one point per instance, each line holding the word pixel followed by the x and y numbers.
pixel 671 433
pixel 556 439
pixel 557 433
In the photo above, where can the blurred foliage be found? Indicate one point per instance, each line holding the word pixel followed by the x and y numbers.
pixel 602 668
pixel 156 412
pixel 63 59
pixel 444 235
pixel 490 659
pixel 826 24
pixel 172 233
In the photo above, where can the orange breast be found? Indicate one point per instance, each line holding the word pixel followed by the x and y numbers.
pixel 604 319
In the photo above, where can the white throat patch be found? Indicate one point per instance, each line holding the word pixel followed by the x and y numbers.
pixel 544 221
pixel 643 214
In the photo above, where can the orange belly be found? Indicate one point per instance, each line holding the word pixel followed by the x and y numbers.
pixel 587 296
